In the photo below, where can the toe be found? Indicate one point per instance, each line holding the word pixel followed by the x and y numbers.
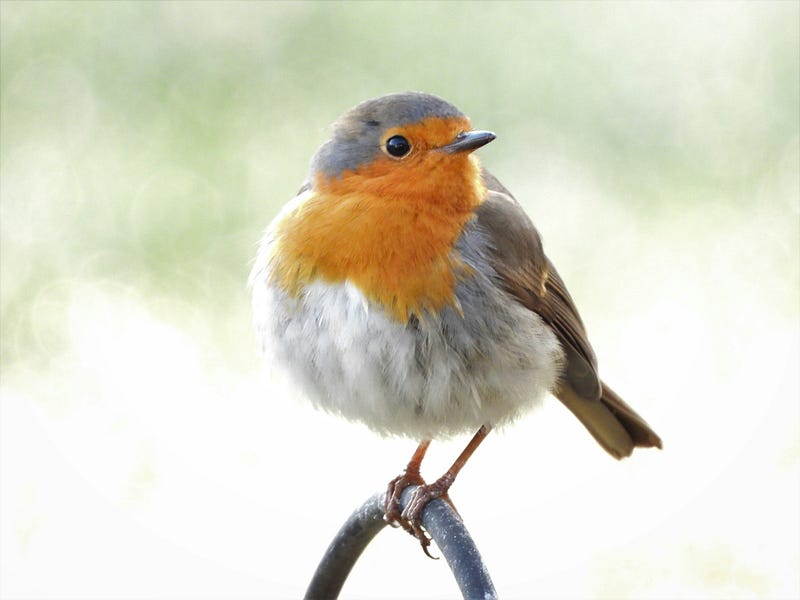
pixel 391 502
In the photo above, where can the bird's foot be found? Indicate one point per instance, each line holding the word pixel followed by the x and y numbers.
pixel 412 515
pixel 410 518
pixel 391 502
pixel 410 521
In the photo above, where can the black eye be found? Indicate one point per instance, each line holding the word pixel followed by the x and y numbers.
pixel 397 146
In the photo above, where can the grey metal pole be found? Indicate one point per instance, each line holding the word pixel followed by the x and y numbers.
pixel 439 519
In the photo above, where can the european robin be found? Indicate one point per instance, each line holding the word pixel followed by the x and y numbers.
pixel 405 288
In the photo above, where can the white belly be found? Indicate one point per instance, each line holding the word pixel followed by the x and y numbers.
pixel 432 378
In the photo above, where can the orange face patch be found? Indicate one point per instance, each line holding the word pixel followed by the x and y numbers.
pixel 388 227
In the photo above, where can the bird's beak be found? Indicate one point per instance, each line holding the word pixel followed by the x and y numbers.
pixel 469 141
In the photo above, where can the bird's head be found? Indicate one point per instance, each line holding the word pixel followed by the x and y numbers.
pixel 406 145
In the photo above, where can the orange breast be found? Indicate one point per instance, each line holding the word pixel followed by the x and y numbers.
pixel 389 229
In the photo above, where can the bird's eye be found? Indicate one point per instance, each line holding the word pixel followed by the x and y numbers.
pixel 397 146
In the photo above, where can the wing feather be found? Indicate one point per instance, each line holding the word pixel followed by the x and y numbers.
pixel 528 276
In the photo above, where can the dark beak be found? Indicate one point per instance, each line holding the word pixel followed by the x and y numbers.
pixel 469 141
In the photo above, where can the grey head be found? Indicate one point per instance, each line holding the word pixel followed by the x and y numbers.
pixel 357 133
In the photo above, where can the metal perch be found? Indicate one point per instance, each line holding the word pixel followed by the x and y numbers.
pixel 439 519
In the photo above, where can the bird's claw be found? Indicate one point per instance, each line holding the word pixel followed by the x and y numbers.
pixel 391 501
pixel 410 518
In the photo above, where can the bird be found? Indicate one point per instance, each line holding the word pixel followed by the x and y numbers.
pixel 405 288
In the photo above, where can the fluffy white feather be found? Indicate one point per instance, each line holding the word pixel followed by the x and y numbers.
pixel 431 379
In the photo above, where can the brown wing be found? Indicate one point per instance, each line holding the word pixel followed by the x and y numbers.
pixel 529 276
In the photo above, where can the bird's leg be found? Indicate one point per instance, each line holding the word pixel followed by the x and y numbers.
pixel 410 476
pixel 411 516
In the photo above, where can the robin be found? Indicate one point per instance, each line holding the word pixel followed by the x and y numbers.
pixel 405 288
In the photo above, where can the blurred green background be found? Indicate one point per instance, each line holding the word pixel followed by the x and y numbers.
pixel 144 147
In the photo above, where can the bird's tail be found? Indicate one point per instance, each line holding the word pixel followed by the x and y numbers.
pixel 614 424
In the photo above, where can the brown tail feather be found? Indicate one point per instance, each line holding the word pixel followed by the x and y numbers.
pixel 614 424
pixel 642 434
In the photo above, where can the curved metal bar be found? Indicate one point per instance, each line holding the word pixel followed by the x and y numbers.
pixel 440 520
pixel 343 552
pixel 447 529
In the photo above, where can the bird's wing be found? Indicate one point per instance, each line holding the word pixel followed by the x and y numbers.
pixel 529 276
